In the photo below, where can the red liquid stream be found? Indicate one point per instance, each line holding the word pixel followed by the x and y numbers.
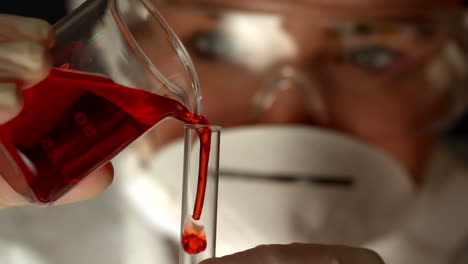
pixel 72 123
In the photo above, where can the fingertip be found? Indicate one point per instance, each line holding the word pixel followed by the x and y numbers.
pixel 47 35
pixel 36 65
pixel 8 196
pixel 224 260
pixel 37 30
pixel 209 261
pixel 370 256
pixel 105 175
pixel 300 253
pixel 258 254
pixel 24 62
pixel 350 255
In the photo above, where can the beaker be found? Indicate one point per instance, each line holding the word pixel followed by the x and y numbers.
pixel 118 70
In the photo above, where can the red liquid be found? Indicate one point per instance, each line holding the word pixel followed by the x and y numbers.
pixel 194 243
pixel 72 123
pixel 193 237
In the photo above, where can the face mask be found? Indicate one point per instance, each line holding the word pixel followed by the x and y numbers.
pixel 281 184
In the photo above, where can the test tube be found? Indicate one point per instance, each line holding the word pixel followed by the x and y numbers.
pixel 196 232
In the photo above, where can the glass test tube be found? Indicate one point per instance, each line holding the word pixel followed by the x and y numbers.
pixel 206 225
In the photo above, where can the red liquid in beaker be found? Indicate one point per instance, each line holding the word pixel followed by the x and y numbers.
pixel 72 121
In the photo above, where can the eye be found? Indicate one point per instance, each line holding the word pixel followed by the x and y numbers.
pixel 212 44
pixel 372 58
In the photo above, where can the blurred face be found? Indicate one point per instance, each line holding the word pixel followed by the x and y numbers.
pixel 382 71
pixel 373 69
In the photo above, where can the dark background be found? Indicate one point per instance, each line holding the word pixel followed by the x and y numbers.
pixel 50 10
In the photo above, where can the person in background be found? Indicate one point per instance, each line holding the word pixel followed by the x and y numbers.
pixel 23 50
pixel 295 84
pixel 368 83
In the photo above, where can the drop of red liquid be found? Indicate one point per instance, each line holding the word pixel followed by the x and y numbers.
pixel 194 243
pixel 193 236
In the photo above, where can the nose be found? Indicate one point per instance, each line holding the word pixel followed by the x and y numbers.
pixel 289 97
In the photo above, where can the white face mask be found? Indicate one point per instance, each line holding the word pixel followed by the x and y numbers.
pixel 283 184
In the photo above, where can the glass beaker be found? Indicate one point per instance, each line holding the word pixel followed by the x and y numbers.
pixel 84 113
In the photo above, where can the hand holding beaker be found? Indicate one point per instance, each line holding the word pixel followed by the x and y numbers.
pixel 103 93
pixel 25 61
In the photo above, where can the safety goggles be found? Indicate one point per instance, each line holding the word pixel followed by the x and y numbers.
pixel 392 72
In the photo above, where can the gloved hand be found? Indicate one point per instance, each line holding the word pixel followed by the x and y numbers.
pixel 300 254
pixel 25 61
